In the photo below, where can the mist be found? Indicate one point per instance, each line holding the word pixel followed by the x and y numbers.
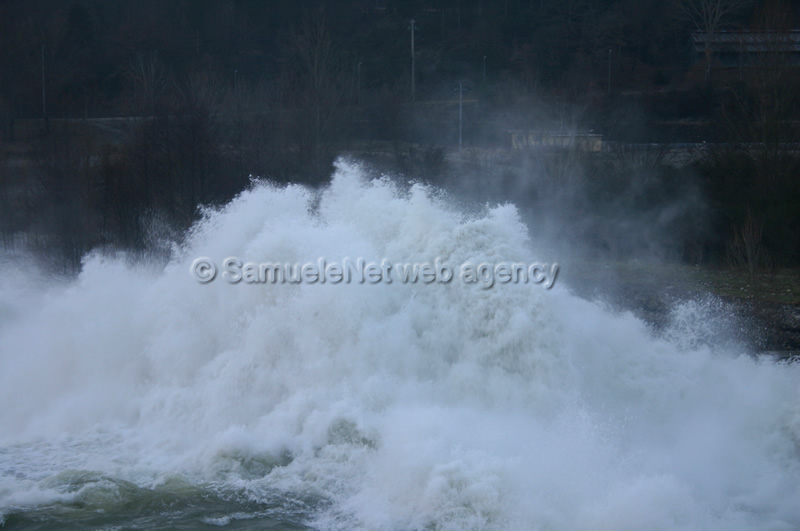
pixel 418 265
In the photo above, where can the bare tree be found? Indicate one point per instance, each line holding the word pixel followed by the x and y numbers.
pixel 63 222
pixel 760 110
pixel 149 80
pixel 708 17
pixel 745 248
pixel 323 85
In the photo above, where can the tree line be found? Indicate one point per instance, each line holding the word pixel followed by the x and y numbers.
pixel 207 93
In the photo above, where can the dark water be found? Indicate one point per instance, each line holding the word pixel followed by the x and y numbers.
pixel 100 502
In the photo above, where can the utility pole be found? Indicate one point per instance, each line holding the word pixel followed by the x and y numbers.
pixel 236 95
pixel 358 82
pixel 609 70
pixel 413 28
pixel 44 99
pixel 460 112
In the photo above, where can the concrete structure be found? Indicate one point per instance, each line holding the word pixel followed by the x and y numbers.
pixel 522 139
pixel 743 49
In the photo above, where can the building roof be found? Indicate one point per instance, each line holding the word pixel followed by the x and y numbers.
pixel 748 41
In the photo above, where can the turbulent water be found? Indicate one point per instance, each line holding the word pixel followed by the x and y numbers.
pixel 138 397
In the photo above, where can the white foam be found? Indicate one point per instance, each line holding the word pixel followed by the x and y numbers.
pixel 406 406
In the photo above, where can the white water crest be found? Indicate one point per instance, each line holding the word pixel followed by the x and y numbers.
pixel 394 406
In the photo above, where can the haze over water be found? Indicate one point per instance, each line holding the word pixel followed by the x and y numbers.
pixel 137 396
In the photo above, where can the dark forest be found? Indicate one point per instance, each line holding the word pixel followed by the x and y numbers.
pixel 119 119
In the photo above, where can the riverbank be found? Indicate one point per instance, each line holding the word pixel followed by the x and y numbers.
pixel 764 309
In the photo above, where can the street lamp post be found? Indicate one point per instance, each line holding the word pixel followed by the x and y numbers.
pixel 358 82
pixel 413 28
pixel 44 100
pixel 460 112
